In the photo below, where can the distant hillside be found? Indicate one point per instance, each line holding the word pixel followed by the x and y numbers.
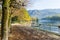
pixel 44 13
pixel 53 18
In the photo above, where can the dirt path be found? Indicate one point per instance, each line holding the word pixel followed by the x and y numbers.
pixel 27 33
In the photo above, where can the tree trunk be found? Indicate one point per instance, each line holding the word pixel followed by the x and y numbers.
pixel 5 20
pixel 9 24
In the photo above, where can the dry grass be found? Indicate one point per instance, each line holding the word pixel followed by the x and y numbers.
pixel 26 33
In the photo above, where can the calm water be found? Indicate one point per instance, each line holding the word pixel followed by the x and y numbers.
pixel 50 26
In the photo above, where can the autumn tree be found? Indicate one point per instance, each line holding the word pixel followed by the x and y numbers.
pixel 8 7
pixel 5 19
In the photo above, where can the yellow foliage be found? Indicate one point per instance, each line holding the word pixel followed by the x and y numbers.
pixel 22 14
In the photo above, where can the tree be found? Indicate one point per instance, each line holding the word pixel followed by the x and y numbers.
pixel 22 15
pixel 7 6
pixel 5 19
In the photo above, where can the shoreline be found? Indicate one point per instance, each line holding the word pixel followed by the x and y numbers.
pixel 29 33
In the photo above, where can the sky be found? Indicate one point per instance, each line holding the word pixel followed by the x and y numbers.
pixel 44 4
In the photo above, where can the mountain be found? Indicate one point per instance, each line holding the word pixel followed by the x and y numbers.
pixel 44 13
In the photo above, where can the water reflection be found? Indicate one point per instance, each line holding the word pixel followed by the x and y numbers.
pixel 49 26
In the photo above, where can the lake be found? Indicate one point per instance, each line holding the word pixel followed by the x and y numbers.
pixel 49 25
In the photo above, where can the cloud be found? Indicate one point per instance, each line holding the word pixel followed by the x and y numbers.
pixel 45 4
